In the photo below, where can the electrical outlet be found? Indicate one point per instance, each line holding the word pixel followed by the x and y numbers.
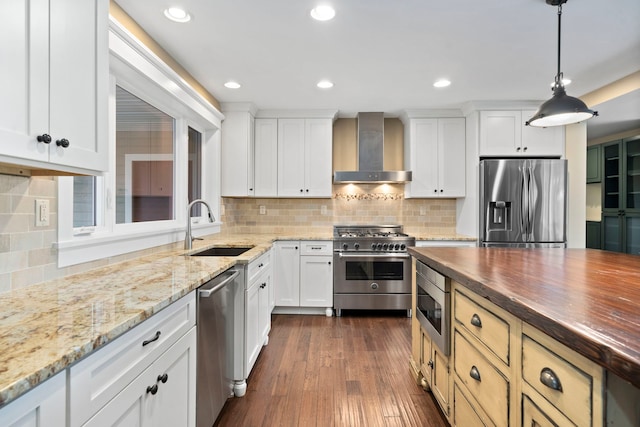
pixel 263 210
pixel 323 210
pixel 42 212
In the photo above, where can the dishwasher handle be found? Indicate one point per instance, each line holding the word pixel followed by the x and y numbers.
pixel 206 293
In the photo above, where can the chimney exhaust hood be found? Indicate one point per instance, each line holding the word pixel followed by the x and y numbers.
pixel 370 148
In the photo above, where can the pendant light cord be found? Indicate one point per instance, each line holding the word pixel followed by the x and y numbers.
pixel 559 75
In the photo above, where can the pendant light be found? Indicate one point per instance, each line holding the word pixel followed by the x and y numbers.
pixel 561 109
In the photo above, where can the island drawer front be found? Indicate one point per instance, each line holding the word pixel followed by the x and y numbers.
pixel 493 330
pixel 95 380
pixel 465 414
pixel 316 247
pixel 532 415
pixel 575 399
pixel 491 389
pixel 259 265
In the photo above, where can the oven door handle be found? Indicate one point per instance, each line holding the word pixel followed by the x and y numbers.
pixel 385 255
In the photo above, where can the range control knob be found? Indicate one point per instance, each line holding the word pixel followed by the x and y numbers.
pixel 385 246
pixel 356 245
pixel 403 247
pixel 345 246
pixel 396 246
pixel 379 246
pixel 373 246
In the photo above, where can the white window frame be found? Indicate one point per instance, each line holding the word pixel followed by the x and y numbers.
pixel 138 70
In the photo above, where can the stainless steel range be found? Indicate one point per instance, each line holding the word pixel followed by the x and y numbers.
pixel 372 269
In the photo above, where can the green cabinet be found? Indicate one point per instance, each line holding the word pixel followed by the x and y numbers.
pixel 594 164
pixel 621 195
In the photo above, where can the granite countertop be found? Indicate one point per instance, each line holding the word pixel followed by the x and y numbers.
pixel 47 327
pixel 587 299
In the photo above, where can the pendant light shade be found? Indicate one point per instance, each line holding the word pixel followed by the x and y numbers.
pixel 561 109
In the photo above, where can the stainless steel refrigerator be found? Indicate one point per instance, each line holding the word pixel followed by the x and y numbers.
pixel 523 202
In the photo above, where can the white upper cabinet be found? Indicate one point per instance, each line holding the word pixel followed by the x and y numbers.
pixel 503 133
pixel 304 157
pixel 435 153
pixel 237 154
pixel 266 158
pixel 53 114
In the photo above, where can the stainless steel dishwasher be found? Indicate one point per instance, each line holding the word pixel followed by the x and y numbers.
pixel 215 312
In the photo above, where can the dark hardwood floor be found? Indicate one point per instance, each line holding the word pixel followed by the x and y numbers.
pixel 340 371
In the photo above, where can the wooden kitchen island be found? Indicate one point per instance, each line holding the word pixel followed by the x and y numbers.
pixel 563 318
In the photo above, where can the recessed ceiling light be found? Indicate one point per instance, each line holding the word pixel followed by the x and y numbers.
pixel 442 83
pixel 323 12
pixel 232 85
pixel 324 84
pixel 177 14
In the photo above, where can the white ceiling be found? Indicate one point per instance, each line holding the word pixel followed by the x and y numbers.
pixel 384 55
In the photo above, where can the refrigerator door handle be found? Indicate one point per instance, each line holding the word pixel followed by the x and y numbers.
pixel 530 202
pixel 523 203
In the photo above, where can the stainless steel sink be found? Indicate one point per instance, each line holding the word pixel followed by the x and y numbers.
pixel 222 251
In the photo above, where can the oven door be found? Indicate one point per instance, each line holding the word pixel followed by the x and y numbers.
pixel 372 273
pixel 432 311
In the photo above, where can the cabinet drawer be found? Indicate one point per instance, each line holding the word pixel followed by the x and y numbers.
pixel 316 247
pixel 534 416
pixel 98 378
pixel 463 412
pixel 262 263
pixel 489 387
pixel 488 327
pixel 575 387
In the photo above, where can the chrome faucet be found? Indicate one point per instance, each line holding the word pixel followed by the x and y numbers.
pixel 188 238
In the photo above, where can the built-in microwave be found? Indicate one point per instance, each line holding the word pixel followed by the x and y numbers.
pixel 433 302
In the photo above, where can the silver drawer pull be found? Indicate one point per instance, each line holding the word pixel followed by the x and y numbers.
pixel 475 374
pixel 475 320
pixel 550 379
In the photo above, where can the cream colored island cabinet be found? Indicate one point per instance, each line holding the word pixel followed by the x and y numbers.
pixel 303 277
pixel 504 372
pixel 305 157
pixel 146 377
pixel 434 152
pixel 503 133
pixel 53 115
pixel 43 406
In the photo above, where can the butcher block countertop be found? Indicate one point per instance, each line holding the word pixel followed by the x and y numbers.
pixel 587 299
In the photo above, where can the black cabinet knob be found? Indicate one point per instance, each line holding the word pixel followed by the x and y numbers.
pixel 163 378
pixel 153 389
pixel 64 143
pixel 46 138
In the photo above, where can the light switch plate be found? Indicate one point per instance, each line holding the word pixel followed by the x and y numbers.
pixel 42 212
pixel 263 210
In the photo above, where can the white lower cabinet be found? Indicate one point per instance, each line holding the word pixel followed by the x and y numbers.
pixel 113 380
pixel 303 277
pixel 45 405
pixel 258 318
pixel 163 395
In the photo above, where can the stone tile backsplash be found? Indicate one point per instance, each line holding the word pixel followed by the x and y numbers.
pixel 350 204
pixel 28 254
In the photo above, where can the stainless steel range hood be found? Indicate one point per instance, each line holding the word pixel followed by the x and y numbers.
pixel 370 155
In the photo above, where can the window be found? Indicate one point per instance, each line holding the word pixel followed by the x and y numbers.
pixel 161 135
pixel 195 169
pixel 144 161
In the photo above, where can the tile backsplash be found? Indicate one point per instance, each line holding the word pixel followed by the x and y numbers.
pixel 28 254
pixel 350 204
